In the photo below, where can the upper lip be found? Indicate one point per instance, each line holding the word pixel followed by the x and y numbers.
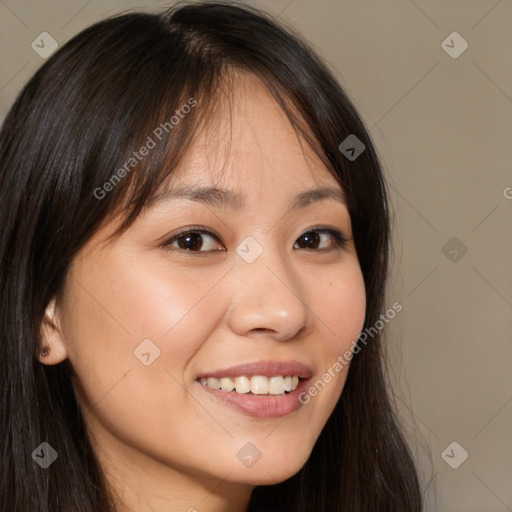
pixel 264 368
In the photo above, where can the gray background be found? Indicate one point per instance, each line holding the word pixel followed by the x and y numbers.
pixel 442 126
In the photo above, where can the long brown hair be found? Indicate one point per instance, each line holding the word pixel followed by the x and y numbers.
pixel 77 121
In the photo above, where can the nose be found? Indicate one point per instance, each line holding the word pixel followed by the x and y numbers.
pixel 268 299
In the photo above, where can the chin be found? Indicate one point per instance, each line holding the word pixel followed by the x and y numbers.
pixel 272 471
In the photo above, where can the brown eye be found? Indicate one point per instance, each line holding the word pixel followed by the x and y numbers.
pixel 314 238
pixel 194 240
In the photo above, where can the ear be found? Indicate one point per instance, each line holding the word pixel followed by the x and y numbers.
pixel 52 347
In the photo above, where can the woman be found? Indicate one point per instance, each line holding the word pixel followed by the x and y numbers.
pixel 194 236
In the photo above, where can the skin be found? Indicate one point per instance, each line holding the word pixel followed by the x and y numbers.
pixel 163 442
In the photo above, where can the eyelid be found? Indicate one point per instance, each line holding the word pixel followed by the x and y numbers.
pixel 194 229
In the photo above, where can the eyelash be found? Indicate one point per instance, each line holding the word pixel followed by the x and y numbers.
pixel 340 240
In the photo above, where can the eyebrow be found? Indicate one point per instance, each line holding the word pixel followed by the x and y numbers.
pixel 222 198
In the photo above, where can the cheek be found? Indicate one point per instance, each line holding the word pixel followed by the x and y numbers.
pixel 114 308
pixel 131 336
pixel 339 305
pixel 135 329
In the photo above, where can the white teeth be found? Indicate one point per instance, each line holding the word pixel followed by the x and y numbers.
pixel 227 384
pixel 257 385
pixel 276 385
pixel 212 382
pixel 242 385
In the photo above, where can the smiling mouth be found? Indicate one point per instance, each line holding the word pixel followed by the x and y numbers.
pixel 255 385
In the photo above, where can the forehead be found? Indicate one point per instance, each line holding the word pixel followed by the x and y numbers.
pixel 249 142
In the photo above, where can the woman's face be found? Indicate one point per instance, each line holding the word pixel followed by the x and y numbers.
pixel 143 319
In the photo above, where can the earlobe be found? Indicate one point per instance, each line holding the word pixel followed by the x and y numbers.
pixel 52 349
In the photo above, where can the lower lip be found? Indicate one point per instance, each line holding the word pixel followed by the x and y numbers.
pixel 260 406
